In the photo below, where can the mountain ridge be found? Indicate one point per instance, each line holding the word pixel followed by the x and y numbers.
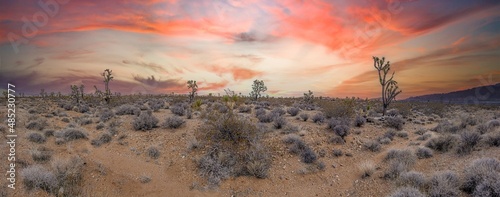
pixel 489 94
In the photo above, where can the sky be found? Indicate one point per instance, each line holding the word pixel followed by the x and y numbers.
pixel 326 46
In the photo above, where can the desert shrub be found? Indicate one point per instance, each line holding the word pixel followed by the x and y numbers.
pixel 339 127
pixel 293 111
pixel 145 121
pixel 392 112
pixel 384 140
pixel 144 179
pixel 390 134
pixel 424 137
pixel 127 109
pixel 41 154
pixel 69 175
pixel 289 128
pixel 245 109
pixel 153 152
pixel 342 108
pixel 424 152
pixel 367 169
pixel 234 148
pixel 336 140
pixel 227 127
pixel 82 108
pixel 407 192
pixel 318 117
pixel 38 177
pixel 102 139
pixel 468 120
pixel 37 124
pixel 341 130
pixel 372 145
pixel 442 143
pixel 193 144
pixel 291 139
pixel 156 104
pixel 279 122
pixel 394 169
pixel 493 124
pixel 444 184
pixel 308 156
pixel 420 131
pixel 265 118
pixel 492 139
pixel 278 111
pixel 100 126
pixel 65 120
pixel 482 177
pixel 105 115
pixel 404 156
pixel 337 152
pixel 394 122
pixel 70 134
pixel 260 112
pixel 399 162
pixel 85 121
pixel 256 162
pixel 412 179
pixel 489 187
pixel 402 134
pixel 216 166
pixel 298 147
pixel 359 121
pixel 482 128
pixel 304 116
pixel 468 140
pixel 48 132
pixel 178 109
pixel 446 126
pixel 36 137
pixel 173 122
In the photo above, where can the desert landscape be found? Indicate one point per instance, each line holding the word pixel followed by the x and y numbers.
pixel 162 145
pixel 243 98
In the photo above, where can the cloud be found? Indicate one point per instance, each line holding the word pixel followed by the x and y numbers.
pixel 151 65
pixel 169 84
pixel 206 86
pixel 238 73
pixel 32 82
pixel 73 54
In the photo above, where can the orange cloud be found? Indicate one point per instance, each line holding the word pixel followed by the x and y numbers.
pixel 238 73
pixel 204 86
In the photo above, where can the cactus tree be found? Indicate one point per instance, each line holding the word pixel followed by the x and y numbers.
pixel 390 87
pixel 257 88
pixel 75 93
pixel 107 78
pixel 192 85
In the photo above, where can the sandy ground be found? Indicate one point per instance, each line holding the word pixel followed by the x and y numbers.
pixel 116 168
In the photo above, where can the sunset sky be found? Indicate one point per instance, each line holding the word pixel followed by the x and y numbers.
pixel 326 46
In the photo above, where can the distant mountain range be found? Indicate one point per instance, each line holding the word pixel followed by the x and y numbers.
pixel 479 95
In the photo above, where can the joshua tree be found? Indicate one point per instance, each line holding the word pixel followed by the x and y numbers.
pixel 107 77
pixel 75 93
pixel 42 93
pixel 81 90
pixel 192 85
pixel 257 88
pixel 390 87
pixel 308 97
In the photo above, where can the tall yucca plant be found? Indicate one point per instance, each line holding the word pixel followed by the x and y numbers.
pixel 390 87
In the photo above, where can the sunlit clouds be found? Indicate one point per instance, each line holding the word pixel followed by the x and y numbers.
pixel 321 45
